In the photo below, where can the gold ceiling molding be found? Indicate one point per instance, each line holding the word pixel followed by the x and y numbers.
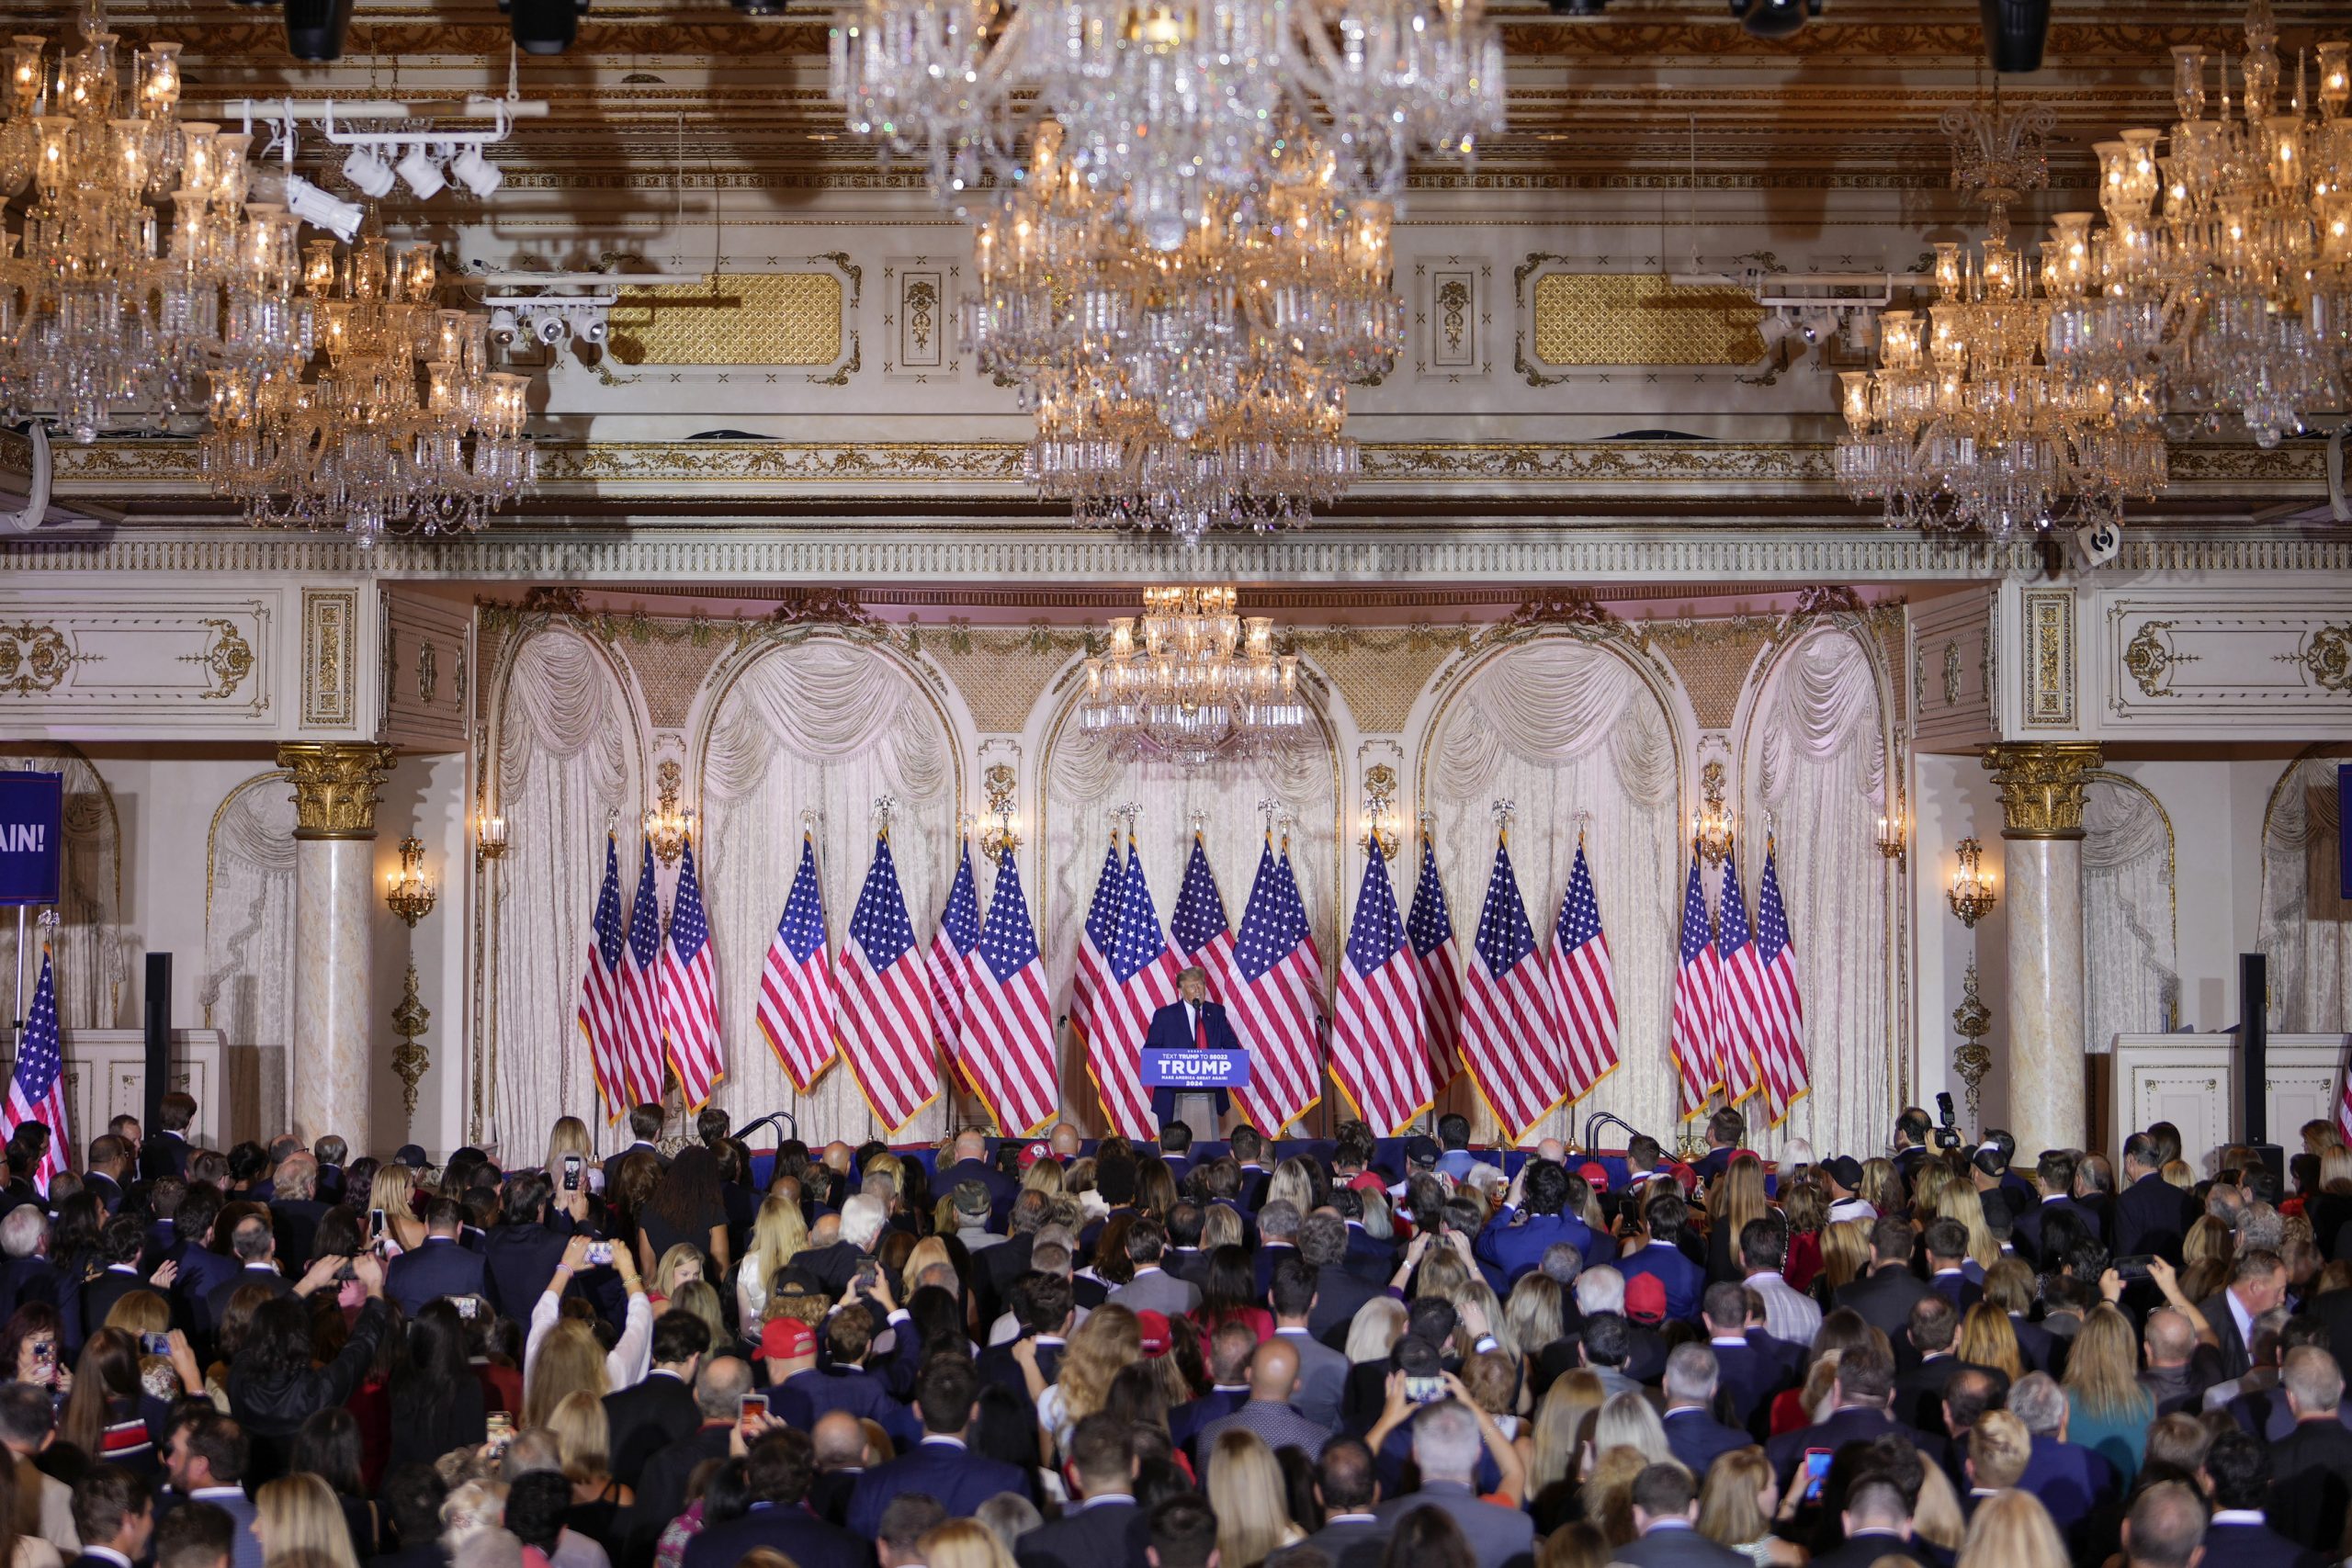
pixel 731 318
pixel 1602 318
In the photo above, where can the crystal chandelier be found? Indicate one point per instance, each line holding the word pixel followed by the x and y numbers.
pixel 102 322
pixel 1166 104
pixel 1968 422
pixel 2240 293
pixel 400 424
pixel 1196 386
pixel 1189 681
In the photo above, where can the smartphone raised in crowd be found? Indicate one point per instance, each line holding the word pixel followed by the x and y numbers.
pixel 155 1344
pixel 749 1412
pixel 1817 1472
pixel 571 1167
pixel 600 1254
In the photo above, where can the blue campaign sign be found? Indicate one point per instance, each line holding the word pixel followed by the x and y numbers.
pixel 1189 1069
pixel 32 837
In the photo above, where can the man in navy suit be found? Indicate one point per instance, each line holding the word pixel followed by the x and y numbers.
pixel 1726 1131
pixel 1946 1241
pixel 109 1163
pixel 2151 1213
pixel 805 1393
pixel 971 1164
pixel 1663 1219
pixel 2070 1478
pixel 1514 1242
pixel 1103 1528
pixel 1750 1365
pixel 1859 1397
pixel 114 1516
pixel 1885 1294
pixel 442 1267
pixel 778 1470
pixel 941 1466
pixel 1692 1433
pixel 165 1154
pixel 2054 1174
pixel 1190 1023
pixel 521 1252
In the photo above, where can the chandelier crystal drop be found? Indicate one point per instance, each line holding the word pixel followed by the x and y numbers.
pixel 108 316
pixel 1194 388
pixel 1972 420
pixel 395 423
pixel 1188 682
pixel 1166 104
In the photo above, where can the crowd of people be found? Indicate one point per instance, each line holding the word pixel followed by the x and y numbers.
pixel 1361 1354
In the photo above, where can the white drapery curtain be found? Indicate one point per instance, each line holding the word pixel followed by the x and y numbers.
pixel 821 726
pixel 2305 927
pixel 246 989
pixel 1561 728
pixel 1818 761
pixel 90 966
pixel 2131 984
pixel 1082 786
pixel 567 762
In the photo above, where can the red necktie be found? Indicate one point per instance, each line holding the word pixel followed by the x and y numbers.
pixel 1200 1029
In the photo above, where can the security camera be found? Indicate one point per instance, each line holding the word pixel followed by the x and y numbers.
pixel 1773 19
pixel 2099 542
pixel 548 329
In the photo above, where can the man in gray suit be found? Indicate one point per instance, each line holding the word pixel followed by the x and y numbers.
pixel 1347 1485
pixel 1322 1371
pixel 1666 1511
pixel 1153 1289
pixel 1446 1445
pixel 205 1464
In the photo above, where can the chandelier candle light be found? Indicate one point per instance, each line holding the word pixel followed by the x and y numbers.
pixel 1189 681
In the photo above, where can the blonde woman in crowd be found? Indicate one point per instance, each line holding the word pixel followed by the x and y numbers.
pixel 1109 1339
pixel 1607 1494
pixel 1252 1514
pixel 965 1543
pixel 631 1354
pixel 1845 1251
pixel 1736 1502
pixel 394 1192
pixel 679 1266
pixel 778 1236
pixel 1630 1420
pixel 1882 1188
pixel 570 1136
pixel 569 1360
pixel 1961 1201
pixel 1532 1316
pixel 1292 1179
pixel 583 1439
pixel 1375 1330
pixel 1563 1444
pixel 1987 1339
pixel 2012 1529
pixel 299 1512
pixel 1936 1518
pixel 1736 1198
pixel 1221 1226
pixel 2108 1411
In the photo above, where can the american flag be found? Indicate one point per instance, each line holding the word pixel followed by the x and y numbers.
pixel 795 1011
pixel 690 993
pixel 1198 928
pixel 640 990
pixel 1094 948
pixel 1379 1055
pixel 1430 925
pixel 1509 1013
pixel 600 1002
pixel 1277 998
pixel 1008 1027
pixel 886 1000
pixel 1585 983
pixel 1698 1002
pixel 1781 1022
pixel 951 958
pixel 37 1091
pixel 1739 1033
pixel 1139 978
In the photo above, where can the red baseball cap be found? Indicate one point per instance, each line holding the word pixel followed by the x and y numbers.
pixel 788 1339
pixel 1153 1328
pixel 1031 1154
pixel 1595 1176
pixel 1645 1298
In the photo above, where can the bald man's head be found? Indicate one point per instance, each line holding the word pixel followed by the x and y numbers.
pixel 840 1442
pixel 1066 1140
pixel 971 1144
pixel 1274 1372
pixel 838 1155
pixel 2170 1340
pixel 1553 1150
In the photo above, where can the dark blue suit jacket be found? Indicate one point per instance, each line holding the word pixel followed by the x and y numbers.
pixel 959 1479
pixel 1697 1438
pixel 1171 1031
pixel 440 1267
pixel 1514 1246
pixel 819 1392
pixel 789 1528
pixel 2070 1480
pixel 1855 1423
pixel 1685 1282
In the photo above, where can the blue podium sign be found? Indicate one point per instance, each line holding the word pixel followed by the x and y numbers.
pixel 1189 1069
pixel 32 837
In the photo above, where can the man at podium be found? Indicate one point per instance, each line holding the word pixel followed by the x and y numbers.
pixel 1191 1023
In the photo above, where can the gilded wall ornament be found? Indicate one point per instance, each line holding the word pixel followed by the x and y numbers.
pixel 2326 654
pixel 228 661
pixel 335 785
pixel 1951 673
pixel 411 1020
pixel 428 672
pixel 2042 785
pixel 1972 1021
pixel 2149 660
pixel 34 658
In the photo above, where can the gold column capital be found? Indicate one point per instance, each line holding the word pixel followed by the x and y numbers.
pixel 334 786
pixel 2042 785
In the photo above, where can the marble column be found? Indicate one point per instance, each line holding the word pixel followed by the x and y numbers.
pixel 2041 831
pixel 335 914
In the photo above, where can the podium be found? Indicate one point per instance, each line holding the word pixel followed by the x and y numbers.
pixel 1195 1072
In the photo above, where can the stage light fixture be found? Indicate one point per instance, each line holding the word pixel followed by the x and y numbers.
pixel 548 329
pixel 314 29
pixel 1578 7
pixel 544 26
pixel 2015 31
pixel 761 7
pixel 476 173
pixel 421 173
pixel 593 330
pixel 308 202
pixel 368 172
pixel 501 325
pixel 1773 19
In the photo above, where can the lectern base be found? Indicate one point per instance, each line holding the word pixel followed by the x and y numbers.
pixel 1198 1112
